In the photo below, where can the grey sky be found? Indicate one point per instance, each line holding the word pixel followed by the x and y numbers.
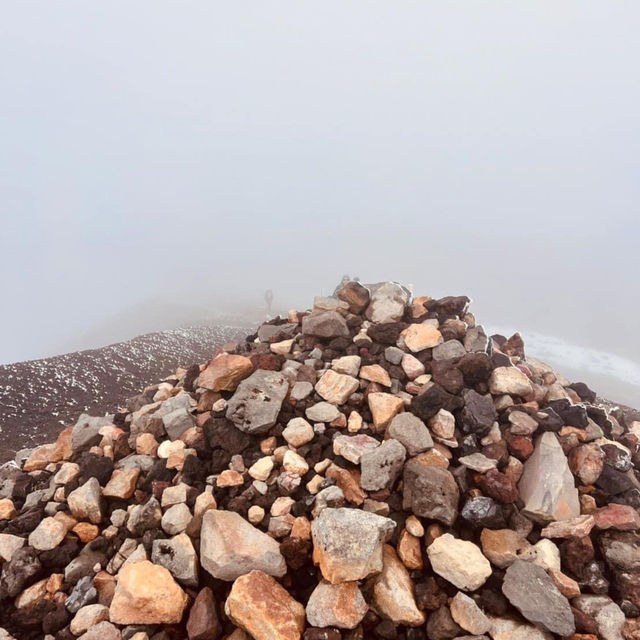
pixel 169 151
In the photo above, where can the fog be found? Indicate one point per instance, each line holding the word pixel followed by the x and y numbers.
pixel 164 162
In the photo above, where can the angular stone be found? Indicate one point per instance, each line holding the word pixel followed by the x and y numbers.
pixel 255 405
pixel 393 592
pixel 479 413
pixel 49 533
pixel 502 546
pixel 261 469
pixel 336 388
pixel 412 367
pixel 575 527
pixel 147 594
pixel 85 432
pixel 298 432
pixel 384 407
pixel 336 605
pixel 178 421
pixel 411 432
pixel 375 373
pixel 322 412
pixel 85 503
pixel 430 492
pixel 203 622
pixel 352 448
pixel 449 350
pixel 607 615
pixel 418 337
pixel 409 550
pixel 230 547
pixel 9 544
pixel 617 516
pixel 264 609
pixel 478 462
pixel 144 517
pixel 509 380
pixel 459 561
pixel 225 372
pixel 326 324
pixel 122 484
pixel 356 295
pixel 503 628
pixel 547 487
pixel 300 391
pixel 348 543
pixel 388 302
pixel 380 467
pixel 443 424
pixel 522 423
pixel 586 462
pixel 178 556
pixel 88 617
pixel 349 365
pixel 7 509
pixel 533 593
pixel 468 615
pixel 176 519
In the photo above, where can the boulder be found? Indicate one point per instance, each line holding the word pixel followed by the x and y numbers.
pixel 225 372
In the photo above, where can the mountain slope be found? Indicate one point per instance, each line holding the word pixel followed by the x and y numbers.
pixel 39 396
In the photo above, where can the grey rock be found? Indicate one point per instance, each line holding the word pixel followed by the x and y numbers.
pixel 547 486
pixel 394 355
pixel 478 462
pixel 268 332
pixel 255 405
pixel 430 492
pixel 177 422
pixel 144 517
pixel 476 339
pixel 528 588
pixel 230 547
pixel 608 616
pixel 448 350
pixel 301 390
pixel 84 434
pixel 329 497
pixel 102 631
pixel 178 556
pixel 348 543
pixel 381 466
pixel 83 593
pixel 322 412
pixel 19 572
pixel 388 302
pixel 176 519
pixel 411 432
pixel 326 324
pixel 86 502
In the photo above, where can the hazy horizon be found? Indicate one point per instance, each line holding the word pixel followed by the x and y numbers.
pixel 179 153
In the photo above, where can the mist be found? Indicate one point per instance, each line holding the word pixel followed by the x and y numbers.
pixel 163 163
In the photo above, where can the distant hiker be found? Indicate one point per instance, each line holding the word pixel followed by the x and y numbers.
pixel 268 298
pixel 344 281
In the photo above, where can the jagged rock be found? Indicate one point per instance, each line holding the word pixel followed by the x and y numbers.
pixel 147 594
pixel 122 484
pixel 533 593
pixel 177 422
pixel 430 492
pixel 298 432
pixel 411 432
pixel 502 546
pixel 9 544
pixel 326 324
pixel 388 302
pixel 478 462
pixel 352 448
pixel 384 407
pixel 509 380
pixel 264 609
pixel 256 403
pixel 336 387
pixel 85 502
pixel 347 543
pixel 225 372
pixel 47 535
pixel 230 547
pixel 203 622
pixel 349 365
pixel 607 615
pixel 355 295
pixel 144 517
pixel 479 413
pixel 468 615
pixel 547 487
pixel 88 617
pixel 393 593
pixel 85 432
pixel 459 561
pixel 178 556
pixel 336 605
pixel 382 466
pixel 418 337
pixel 503 628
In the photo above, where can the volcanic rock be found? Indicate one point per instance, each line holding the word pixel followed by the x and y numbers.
pixel 230 547
pixel 411 432
pixel 225 372
pixel 381 466
pixel 459 561
pixel 326 324
pixel 533 593
pixel 347 543
pixel 430 492
pixel 264 609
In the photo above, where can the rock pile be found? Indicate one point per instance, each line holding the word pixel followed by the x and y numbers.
pixel 377 467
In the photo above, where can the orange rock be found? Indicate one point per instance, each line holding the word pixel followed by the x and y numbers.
pixel 146 444
pixel 566 586
pixel 105 585
pixel 349 481
pixel 263 608
pixel 7 509
pixel 147 594
pixel 122 484
pixel 422 336
pixel 409 551
pixel 225 372
pixel 336 387
pixel 384 407
pixel 375 373
pixel 86 532
pixel 229 478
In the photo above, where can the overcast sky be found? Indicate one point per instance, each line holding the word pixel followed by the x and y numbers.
pixel 157 152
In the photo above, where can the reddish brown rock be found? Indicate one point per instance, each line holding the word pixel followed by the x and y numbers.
pixel 203 622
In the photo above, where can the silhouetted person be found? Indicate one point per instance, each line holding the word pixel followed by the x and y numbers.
pixel 268 298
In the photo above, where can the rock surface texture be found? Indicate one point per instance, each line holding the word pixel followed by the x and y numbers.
pixel 375 467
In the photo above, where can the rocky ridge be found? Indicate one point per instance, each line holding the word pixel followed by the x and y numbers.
pixel 376 467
